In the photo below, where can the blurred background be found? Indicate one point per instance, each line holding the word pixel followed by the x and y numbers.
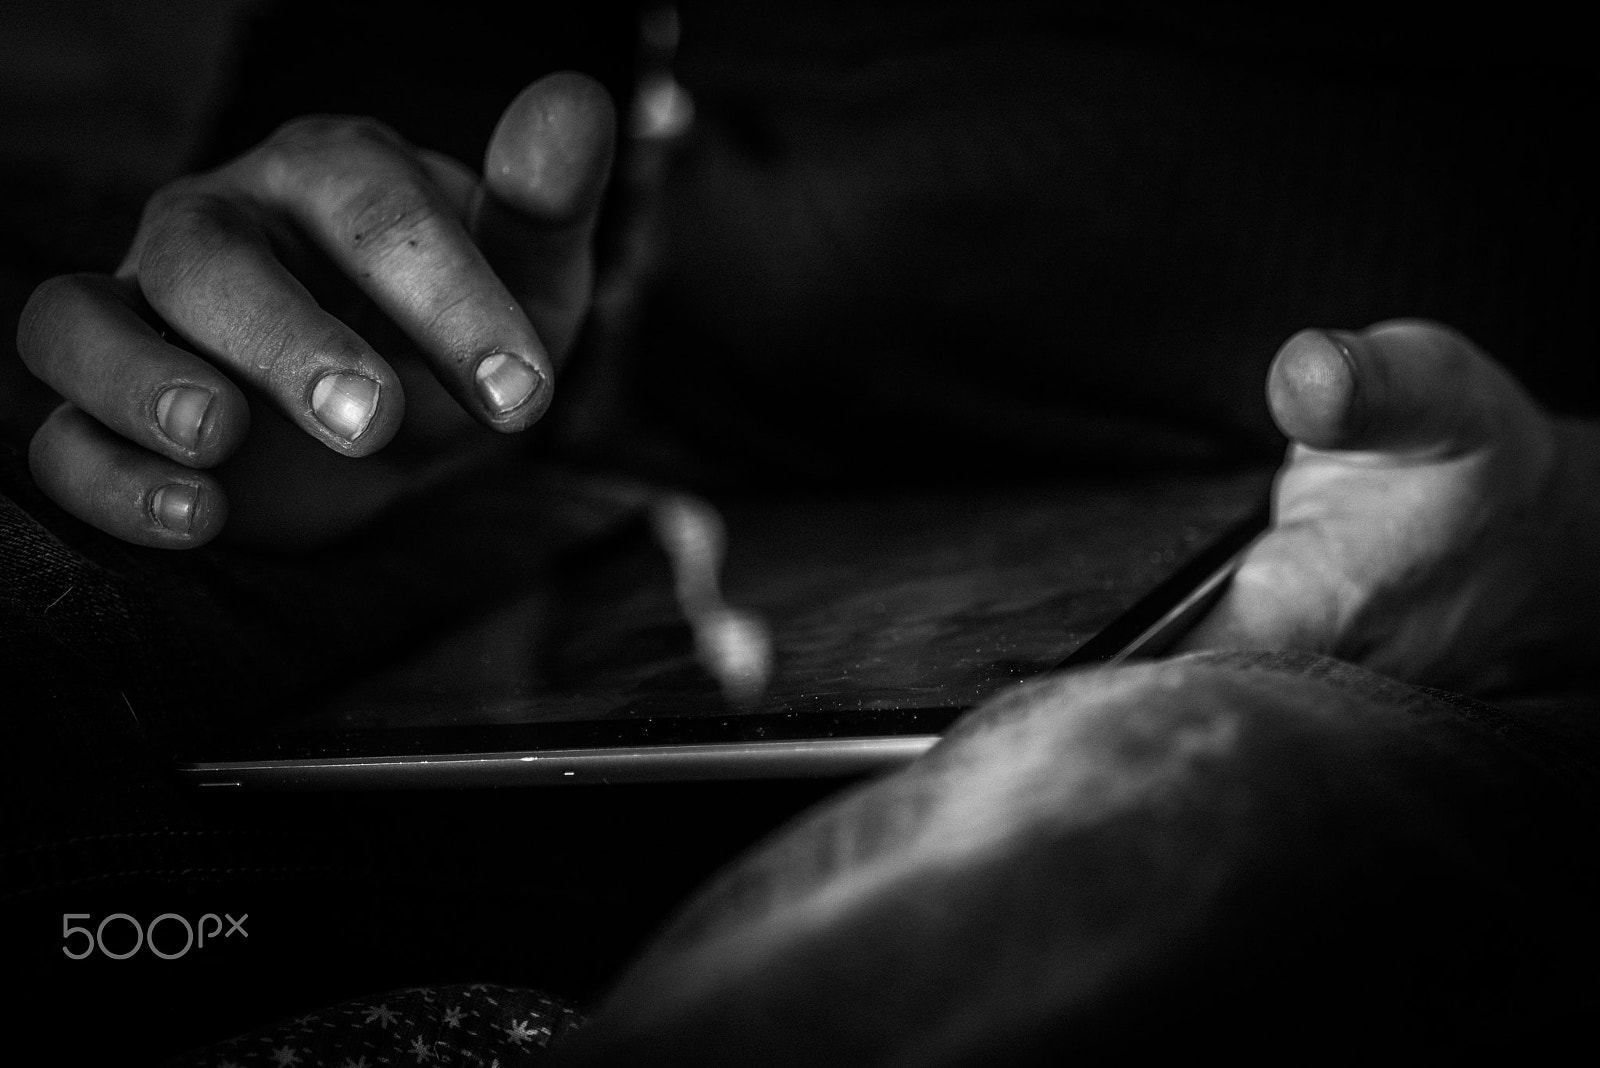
pixel 928 240
pixel 103 102
pixel 981 237
pixel 100 102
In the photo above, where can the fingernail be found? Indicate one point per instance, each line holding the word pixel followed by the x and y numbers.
pixel 1344 386
pixel 1344 342
pixel 173 506
pixel 506 382
pixel 180 411
pixel 345 403
pixel 1313 389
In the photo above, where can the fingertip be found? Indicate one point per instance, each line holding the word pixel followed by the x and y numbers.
pixel 186 514
pixel 1314 389
pixel 226 427
pixel 121 489
pixel 355 411
pixel 513 390
pixel 1404 386
pixel 203 423
pixel 551 152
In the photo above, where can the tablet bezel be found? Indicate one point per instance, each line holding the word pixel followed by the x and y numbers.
pixel 793 744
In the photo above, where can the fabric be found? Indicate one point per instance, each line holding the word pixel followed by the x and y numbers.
pixel 111 652
pixel 1272 856
pixel 1071 236
pixel 475 1026
pixel 989 237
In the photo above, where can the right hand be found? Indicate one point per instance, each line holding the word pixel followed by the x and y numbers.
pixel 1433 522
pixel 230 371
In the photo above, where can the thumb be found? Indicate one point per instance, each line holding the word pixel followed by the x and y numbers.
pixel 545 174
pixel 1374 498
pixel 1414 389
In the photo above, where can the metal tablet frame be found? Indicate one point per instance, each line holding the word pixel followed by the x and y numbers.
pixel 1149 628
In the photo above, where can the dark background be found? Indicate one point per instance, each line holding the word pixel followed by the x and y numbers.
pixel 919 241
pixel 912 242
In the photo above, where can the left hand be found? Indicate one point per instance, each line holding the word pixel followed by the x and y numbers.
pixel 1432 523
pixel 333 292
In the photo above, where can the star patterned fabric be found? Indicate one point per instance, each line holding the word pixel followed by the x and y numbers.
pixel 476 1026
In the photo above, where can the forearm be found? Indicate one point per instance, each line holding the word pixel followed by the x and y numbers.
pixel 1228 849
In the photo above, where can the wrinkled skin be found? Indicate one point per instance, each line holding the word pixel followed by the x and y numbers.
pixel 1076 848
pixel 1288 860
pixel 1431 522
pixel 330 294
pixel 1283 857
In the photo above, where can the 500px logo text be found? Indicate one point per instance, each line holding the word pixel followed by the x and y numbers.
pixel 172 926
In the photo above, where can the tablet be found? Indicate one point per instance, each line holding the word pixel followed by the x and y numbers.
pixel 814 636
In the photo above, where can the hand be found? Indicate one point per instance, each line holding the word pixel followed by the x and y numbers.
pixel 1432 522
pixel 330 292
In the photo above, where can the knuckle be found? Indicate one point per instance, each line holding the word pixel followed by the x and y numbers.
pixel 191 236
pixel 51 310
pixel 270 343
pixel 176 199
pixel 162 200
pixel 360 129
pixel 308 131
pixel 281 351
pixel 305 150
pixel 380 217
pixel 179 189
pixel 302 131
pixel 444 311
pixel 44 448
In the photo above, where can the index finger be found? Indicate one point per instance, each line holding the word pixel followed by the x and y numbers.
pixel 364 198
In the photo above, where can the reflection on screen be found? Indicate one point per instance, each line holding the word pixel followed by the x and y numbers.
pixel 916 600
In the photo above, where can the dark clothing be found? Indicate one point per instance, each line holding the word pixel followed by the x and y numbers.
pixel 916 244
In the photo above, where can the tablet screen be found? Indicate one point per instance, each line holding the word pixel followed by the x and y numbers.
pixel 783 618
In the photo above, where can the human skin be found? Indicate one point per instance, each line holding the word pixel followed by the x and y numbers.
pixel 330 294
pixel 1269 853
pixel 1277 856
pixel 1432 523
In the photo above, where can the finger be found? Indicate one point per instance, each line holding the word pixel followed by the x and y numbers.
pixel 1400 430
pixel 1401 387
pixel 122 489
pixel 373 208
pixel 208 271
pixel 82 336
pixel 545 175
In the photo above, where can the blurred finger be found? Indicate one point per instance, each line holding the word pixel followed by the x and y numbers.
pixel 122 489
pixel 545 174
pixel 82 335
pixel 1402 387
pixel 1407 437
